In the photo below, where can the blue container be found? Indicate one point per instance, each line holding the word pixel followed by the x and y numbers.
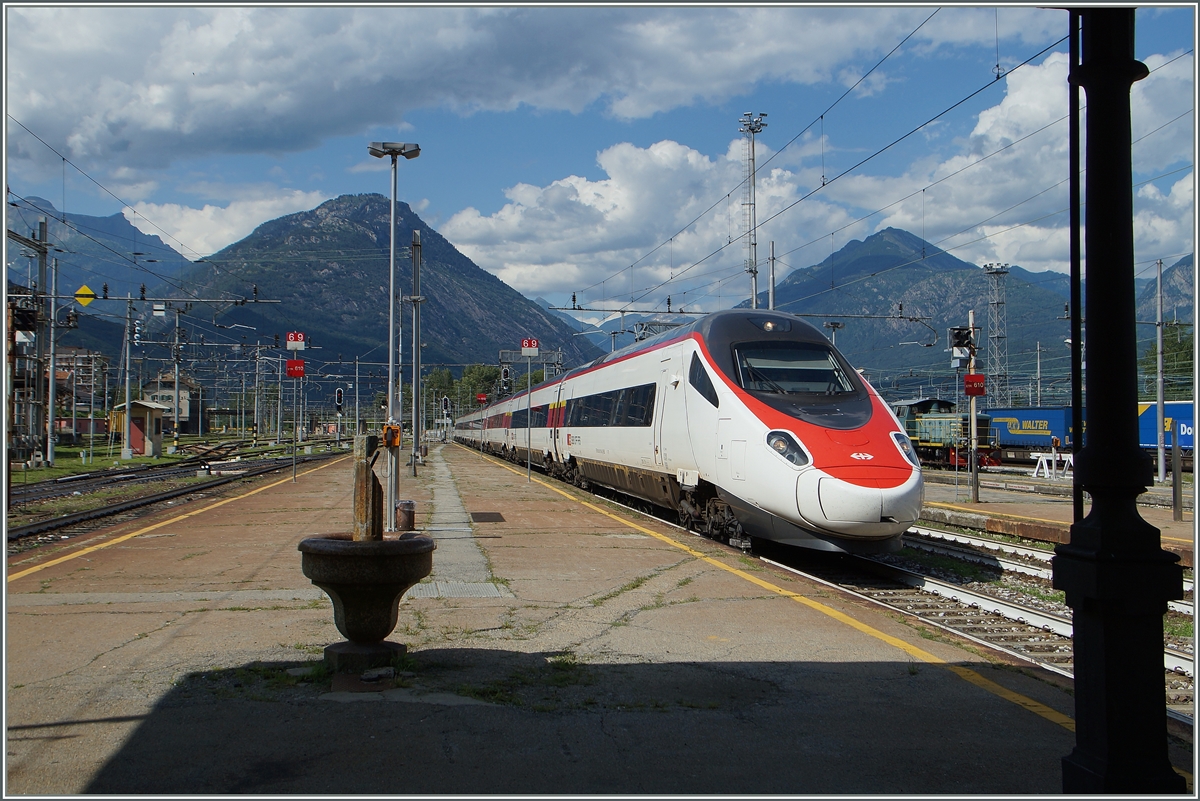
pixel 1181 413
pixel 1032 428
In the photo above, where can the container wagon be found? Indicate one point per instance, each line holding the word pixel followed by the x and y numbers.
pixel 1023 431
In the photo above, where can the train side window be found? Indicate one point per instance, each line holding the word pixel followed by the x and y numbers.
pixel 639 406
pixel 628 407
pixel 698 378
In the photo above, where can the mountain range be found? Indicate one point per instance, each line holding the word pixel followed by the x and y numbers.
pixel 887 300
pixel 871 288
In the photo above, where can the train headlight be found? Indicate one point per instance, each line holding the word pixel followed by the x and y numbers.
pixel 906 447
pixel 783 444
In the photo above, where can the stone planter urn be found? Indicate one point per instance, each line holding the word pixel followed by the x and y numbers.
pixel 364 574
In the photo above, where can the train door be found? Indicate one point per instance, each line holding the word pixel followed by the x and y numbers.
pixel 703 409
pixel 673 450
pixel 137 435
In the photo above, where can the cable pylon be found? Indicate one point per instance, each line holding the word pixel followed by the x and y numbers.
pixel 997 359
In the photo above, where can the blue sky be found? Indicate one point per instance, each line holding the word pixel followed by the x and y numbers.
pixel 561 145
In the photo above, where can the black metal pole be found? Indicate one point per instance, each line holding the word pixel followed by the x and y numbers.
pixel 1116 576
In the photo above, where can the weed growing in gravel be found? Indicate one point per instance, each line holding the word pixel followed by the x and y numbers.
pixel 1178 626
pixel 1058 597
pixel 948 565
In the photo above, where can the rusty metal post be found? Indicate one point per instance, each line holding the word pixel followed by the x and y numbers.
pixel 368 492
pixel 1116 576
pixel 406 515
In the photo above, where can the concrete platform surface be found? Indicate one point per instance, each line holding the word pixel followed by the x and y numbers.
pixel 1041 508
pixel 569 647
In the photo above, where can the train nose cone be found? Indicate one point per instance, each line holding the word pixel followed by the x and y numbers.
pixel 847 503
pixel 835 505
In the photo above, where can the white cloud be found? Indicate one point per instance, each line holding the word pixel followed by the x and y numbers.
pixel 1000 195
pixel 1164 223
pixel 145 85
pixel 206 230
pixel 141 87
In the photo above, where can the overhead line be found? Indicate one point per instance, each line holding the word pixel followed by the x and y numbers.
pixel 946 177
pixel 971 242
pixel 90 178
pixel 900 139
pixel 727 195
pixel 867 159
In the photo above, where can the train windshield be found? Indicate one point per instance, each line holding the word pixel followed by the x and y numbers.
pixel 786 368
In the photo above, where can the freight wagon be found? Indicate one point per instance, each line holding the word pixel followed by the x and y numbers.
pixel 1023 431
pixel 1179 412
pixel 1027 430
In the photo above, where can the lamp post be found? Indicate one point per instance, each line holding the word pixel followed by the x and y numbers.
pixel 392 428
pixel 416 304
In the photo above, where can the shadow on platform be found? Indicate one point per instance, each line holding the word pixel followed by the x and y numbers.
pixel 477 721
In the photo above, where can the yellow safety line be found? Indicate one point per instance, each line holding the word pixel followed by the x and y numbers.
pixel 989 513
pixel 1019 519
pixel 964 673
pixel 160 524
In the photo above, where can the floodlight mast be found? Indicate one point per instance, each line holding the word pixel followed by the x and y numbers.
pixel 409 151
pixel 752 125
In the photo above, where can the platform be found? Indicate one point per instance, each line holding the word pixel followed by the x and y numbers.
pixel 1041 508
pixel 566 647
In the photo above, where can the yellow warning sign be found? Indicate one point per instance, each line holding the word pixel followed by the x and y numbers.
pixel 84 295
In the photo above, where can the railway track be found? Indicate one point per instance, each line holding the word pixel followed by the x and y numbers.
pixel 127 508
pixel 1035 633
pixel 83 483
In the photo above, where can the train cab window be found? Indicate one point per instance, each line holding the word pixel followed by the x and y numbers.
pixel 698 378
pixel 792 367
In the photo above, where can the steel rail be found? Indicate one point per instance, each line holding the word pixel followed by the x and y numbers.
pixel 1174 661
pixel 1183 607
pixel 985 542
pixel 987 603
pixel 968 555
pixel 54 523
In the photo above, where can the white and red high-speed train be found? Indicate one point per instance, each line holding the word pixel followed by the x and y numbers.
pixel 747 423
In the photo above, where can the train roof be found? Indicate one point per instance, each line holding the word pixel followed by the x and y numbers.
pixel 715 325
pixel 925 404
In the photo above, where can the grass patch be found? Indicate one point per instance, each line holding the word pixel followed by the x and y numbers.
pixel 947 564
pixel 1181 626
pixel 1055 596
pixel 628 587
pixel 494 692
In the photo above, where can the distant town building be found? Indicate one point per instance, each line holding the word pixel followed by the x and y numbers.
pixel 162 390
